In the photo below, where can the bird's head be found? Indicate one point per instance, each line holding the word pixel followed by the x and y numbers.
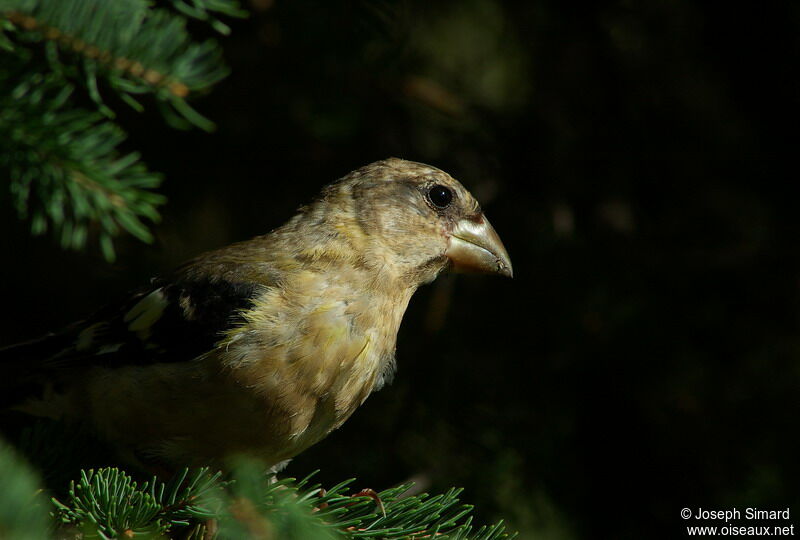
pixel 415 221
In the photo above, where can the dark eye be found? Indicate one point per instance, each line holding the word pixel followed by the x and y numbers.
pixel 440 196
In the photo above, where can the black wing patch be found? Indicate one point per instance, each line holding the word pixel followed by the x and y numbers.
pixel 167 322
pixel 173 322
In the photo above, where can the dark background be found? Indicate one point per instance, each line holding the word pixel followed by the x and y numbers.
pixel 639 160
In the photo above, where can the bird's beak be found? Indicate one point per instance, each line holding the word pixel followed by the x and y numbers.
pixel 475 247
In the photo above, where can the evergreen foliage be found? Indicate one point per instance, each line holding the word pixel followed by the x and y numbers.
pixel 23 509
pixel 108 503
pixel 63 160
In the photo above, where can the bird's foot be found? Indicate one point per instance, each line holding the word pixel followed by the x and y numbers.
pixel 372 494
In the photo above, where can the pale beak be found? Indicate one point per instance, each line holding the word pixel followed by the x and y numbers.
pixel 475 247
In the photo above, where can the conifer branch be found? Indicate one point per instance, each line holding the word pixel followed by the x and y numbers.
pixel 251 505
pixel 135 48
pixel 65 169
pixel 93 52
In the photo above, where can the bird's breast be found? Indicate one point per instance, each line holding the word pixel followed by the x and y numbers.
pixel 312 359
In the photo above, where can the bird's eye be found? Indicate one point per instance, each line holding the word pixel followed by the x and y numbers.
pixel 440 196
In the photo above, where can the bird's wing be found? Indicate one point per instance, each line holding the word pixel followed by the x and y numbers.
pixel 170 321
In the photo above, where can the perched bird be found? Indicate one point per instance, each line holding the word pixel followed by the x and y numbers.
pixel 265 346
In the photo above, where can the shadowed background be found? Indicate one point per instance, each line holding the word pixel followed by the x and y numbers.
pixel 634 158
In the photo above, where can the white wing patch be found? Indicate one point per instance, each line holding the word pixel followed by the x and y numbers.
pixel 145 313
pixel 86 338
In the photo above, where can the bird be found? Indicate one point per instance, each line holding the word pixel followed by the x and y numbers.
pixel 263 347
